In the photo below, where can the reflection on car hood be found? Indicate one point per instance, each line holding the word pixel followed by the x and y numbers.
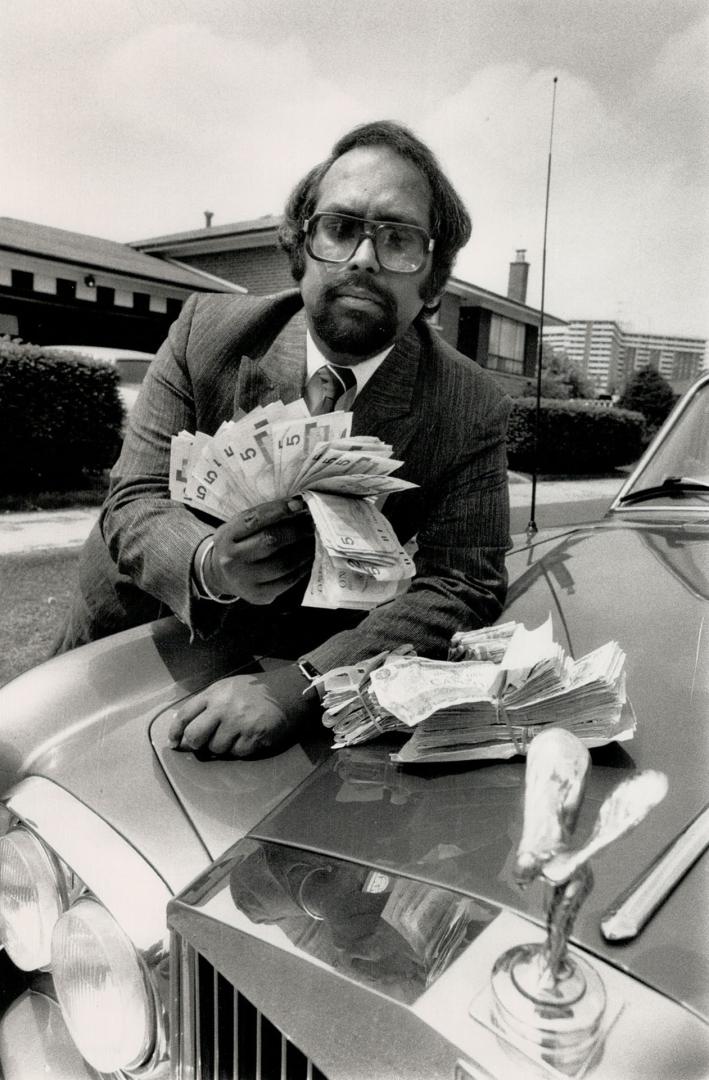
pixel 459 826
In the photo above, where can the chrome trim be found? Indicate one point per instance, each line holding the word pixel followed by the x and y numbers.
pixel 108 865
pixel 217 1032
pixel 635 906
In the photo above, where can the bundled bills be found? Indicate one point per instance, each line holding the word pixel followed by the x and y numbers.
pixel 278 450
pixel 466 709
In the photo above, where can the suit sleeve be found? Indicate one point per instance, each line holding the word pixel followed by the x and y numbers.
pixel 151 538
pixel 460 580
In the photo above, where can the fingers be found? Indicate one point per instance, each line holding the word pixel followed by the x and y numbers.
pixel 277 548
pixel 258 518
pixel 183 716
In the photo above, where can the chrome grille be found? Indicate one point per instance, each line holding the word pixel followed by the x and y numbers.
pixel 217 1034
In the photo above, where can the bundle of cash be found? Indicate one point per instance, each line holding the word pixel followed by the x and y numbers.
pixel 461 710
pixel 278 450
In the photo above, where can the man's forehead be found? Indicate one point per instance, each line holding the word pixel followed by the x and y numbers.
pixel 375 180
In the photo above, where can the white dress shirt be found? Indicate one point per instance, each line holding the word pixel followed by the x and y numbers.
pixel 362 371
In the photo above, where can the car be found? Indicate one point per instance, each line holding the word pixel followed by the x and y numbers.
pixel 333 914
pixel 131 364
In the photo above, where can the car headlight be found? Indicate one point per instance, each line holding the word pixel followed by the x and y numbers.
pixel 32 897
pixel 100 983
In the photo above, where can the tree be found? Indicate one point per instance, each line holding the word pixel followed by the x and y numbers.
pixel 561 377
pixel 648 392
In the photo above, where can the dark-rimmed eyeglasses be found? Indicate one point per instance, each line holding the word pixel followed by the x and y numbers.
pixel 334 238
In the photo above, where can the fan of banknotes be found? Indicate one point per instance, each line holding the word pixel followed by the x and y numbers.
pixel 278 450
pixel 501 687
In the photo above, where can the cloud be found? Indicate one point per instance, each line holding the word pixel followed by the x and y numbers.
pixel 127 118
pixel 627 223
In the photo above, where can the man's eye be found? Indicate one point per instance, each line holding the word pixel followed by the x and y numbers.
pixel 398 239
pixel 336 228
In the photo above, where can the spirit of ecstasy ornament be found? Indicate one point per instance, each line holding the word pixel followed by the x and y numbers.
pixel 547 1002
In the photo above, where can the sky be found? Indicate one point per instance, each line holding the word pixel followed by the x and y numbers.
pixel 128 119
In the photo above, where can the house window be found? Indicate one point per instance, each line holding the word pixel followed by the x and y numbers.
pixel 66 289
pixel 506 348
pixel 173 308
pixel 141 302
pixel 22 280
pixel 105 296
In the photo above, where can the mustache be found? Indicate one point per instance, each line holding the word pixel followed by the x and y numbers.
pixel 366 284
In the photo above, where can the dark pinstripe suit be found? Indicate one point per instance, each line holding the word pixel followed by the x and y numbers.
pixel 444 416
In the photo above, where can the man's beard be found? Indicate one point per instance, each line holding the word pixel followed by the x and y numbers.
pixel 354 332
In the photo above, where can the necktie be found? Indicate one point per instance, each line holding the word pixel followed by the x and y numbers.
pixel 329 389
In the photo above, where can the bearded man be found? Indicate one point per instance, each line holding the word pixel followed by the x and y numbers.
pixel 371 234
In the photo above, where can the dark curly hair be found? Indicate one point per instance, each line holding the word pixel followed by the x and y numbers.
pixel 450 225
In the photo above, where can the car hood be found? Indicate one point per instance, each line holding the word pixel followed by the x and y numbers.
pixel 459 826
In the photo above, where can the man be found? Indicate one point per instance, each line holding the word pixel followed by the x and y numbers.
pixel 371 234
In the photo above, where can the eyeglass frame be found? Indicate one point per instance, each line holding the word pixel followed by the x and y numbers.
pixel 366 234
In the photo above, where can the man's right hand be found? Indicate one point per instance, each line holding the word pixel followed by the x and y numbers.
pixel 260 552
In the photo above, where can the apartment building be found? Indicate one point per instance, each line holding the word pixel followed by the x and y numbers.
pixel 609 354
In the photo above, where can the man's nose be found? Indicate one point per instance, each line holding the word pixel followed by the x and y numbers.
pixel 364 255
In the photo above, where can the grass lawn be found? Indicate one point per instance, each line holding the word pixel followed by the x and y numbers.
pixel 36 590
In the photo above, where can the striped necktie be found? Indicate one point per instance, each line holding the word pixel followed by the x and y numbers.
pixel 329 389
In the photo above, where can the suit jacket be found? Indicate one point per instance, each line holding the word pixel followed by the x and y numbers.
pixel 445 417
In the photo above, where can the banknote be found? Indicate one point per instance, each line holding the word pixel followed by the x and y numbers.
pixel 279 450
pixel 461 710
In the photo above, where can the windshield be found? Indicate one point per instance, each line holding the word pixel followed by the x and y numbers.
pixel 682 455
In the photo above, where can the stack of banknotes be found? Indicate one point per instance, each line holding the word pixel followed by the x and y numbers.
pixel 280 450
pixel 464 709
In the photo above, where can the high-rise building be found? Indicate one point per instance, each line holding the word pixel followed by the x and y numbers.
pixel 609 355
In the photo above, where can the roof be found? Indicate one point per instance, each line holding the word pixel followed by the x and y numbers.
pixel 95 253
pixel 241 231
pixel 499 304
pixel 245 234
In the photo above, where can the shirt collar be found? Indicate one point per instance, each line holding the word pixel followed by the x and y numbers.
pixel 362 371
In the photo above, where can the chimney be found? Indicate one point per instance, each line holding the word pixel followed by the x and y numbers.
pixel 208 215
pixel 519 272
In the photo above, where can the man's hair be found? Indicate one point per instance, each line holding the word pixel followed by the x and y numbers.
pixel 450 222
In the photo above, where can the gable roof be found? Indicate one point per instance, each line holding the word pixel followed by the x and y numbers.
pixel 237 234
pixel 95 253
pixel 260 232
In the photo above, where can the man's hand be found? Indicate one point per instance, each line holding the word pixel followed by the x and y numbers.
pixel 245 715
pixel 260 552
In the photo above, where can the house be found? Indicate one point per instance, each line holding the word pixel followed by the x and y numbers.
pixel 61 287
pixel 500 332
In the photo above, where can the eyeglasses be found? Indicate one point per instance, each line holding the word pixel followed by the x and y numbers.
pixel 334 238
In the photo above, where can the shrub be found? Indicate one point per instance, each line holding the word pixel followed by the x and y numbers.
pixel 648 392
pixel 60 418
pixel 575 438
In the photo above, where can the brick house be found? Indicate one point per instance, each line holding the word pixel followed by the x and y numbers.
pixel 500 332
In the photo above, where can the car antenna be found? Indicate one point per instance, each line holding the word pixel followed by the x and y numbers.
pixel 532 530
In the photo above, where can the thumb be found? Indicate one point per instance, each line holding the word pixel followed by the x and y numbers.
pixel 256 518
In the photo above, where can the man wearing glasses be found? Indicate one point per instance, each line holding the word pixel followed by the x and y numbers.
pixel 371 234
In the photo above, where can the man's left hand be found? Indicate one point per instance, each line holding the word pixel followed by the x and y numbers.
pixel 245 715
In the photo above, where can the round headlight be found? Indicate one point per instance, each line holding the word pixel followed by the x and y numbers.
pixel 30 899
pixel 101 987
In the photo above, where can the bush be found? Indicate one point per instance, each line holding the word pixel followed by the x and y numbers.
pixel 649 393
pixel 575 438
pixel 60 418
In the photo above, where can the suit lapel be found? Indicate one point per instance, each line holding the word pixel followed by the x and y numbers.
pixel 278 374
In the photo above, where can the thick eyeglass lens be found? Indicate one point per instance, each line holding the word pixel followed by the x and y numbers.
pixel 335 238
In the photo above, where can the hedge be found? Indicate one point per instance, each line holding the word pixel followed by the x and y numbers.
pixel 575 437
pixel 60 418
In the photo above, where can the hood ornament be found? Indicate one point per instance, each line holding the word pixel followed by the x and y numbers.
pixel 546 1002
